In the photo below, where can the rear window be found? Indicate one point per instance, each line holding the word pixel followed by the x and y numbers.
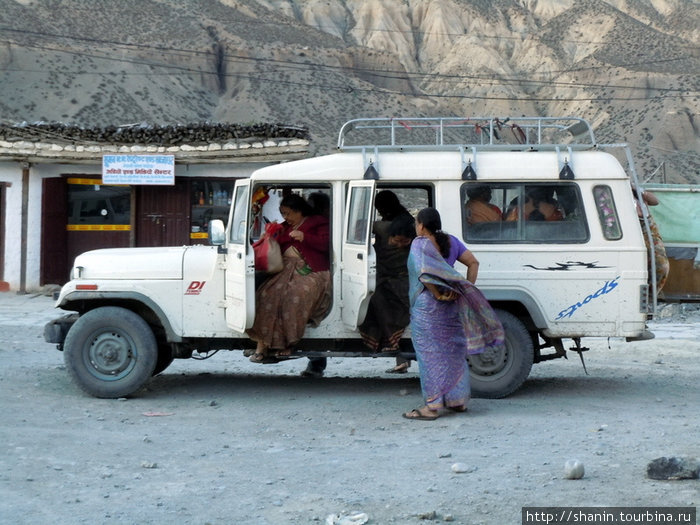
pixel 523 213
pixel 607 213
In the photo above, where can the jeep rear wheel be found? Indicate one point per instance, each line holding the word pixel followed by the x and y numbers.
pixel 110 352
pixel 499 372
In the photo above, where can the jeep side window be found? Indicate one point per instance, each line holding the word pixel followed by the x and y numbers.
pixel 523 213
pixel 607 213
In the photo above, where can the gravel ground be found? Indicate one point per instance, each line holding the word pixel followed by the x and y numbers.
pixel 228 441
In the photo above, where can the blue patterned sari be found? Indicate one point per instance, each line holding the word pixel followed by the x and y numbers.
pixel 444 332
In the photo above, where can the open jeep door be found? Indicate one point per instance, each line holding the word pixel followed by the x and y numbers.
pixel 359 261
pixel 240 262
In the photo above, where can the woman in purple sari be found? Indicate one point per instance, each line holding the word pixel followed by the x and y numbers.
pixel 450 317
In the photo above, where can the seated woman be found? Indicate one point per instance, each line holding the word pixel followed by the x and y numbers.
pixel 300 293
pixel 479 207
pixel 540 205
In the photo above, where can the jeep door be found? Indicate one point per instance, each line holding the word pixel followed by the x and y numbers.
pixel 359 265
pixel 240 262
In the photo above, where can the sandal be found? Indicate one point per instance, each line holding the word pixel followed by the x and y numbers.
pixel 257 357
pixel 398 369
pixel 421 416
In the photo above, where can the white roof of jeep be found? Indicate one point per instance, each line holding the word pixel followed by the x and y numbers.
pixel 432 149
pixel 440 165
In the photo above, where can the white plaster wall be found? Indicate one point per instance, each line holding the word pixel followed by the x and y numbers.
pixel 11 172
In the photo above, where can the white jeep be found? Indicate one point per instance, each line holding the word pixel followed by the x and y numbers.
pixel 578 273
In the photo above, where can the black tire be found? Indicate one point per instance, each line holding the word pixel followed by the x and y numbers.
pixel 110 352
pixel 165 358
pixel 498 373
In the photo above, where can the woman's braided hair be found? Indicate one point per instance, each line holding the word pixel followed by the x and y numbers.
pixel 430 219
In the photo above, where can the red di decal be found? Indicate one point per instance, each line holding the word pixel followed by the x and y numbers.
pixel 195 287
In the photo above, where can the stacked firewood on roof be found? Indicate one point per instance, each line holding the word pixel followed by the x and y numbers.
pixel 198 133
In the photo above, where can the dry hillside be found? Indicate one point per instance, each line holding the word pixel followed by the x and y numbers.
pixel 629 66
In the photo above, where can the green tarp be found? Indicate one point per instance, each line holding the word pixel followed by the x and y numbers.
pixel 678 212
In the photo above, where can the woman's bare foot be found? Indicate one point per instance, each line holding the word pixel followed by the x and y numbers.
pixel 280 354
pixel 400 368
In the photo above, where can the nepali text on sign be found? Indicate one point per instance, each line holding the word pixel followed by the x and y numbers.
pixel 156 170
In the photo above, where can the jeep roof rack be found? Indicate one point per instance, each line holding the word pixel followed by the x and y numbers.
pixel 476 133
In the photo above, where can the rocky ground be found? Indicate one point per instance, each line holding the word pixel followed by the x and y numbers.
pixel 228 441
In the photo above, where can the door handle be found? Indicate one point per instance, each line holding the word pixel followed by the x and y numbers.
pixel 360 256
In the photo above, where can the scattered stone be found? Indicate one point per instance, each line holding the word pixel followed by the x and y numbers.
pixel 673 468
pixel 445 455
pixel 355 518
pixel 428 515
pixel 448 517
pixel 148 464
pixel 213 404
pixel 462 468
pixel 573 469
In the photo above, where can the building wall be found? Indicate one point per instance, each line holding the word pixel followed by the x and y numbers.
pixel 11 173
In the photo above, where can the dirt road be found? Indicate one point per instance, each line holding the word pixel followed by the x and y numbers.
pixel 227 441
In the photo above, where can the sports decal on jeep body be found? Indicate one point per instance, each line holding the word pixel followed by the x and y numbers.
pixel 608 287
pixel 568 265
pixel 195 287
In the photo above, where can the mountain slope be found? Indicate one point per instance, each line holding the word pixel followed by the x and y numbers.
pixel 630 67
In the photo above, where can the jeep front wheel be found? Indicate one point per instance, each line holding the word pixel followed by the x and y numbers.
pixel 499 372
pixel 110 352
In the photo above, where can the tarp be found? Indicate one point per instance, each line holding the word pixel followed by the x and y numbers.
pixel 678 212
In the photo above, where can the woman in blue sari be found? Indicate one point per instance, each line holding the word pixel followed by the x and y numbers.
pixel 450 317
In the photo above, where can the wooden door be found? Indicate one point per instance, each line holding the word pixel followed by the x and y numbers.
pixel 163 215
pixel 54 263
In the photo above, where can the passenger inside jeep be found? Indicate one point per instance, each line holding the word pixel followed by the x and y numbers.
pixel 479 207
pixel 540 205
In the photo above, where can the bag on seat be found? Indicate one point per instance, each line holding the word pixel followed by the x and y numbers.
pixel 268 255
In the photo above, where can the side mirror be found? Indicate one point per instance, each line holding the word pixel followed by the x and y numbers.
pixel 217 232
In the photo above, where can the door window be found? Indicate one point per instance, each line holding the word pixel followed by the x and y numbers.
pixel 240 210
pixel 359 215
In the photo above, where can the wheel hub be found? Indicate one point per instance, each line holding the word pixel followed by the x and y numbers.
pixel 111 354
pixel 490 361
